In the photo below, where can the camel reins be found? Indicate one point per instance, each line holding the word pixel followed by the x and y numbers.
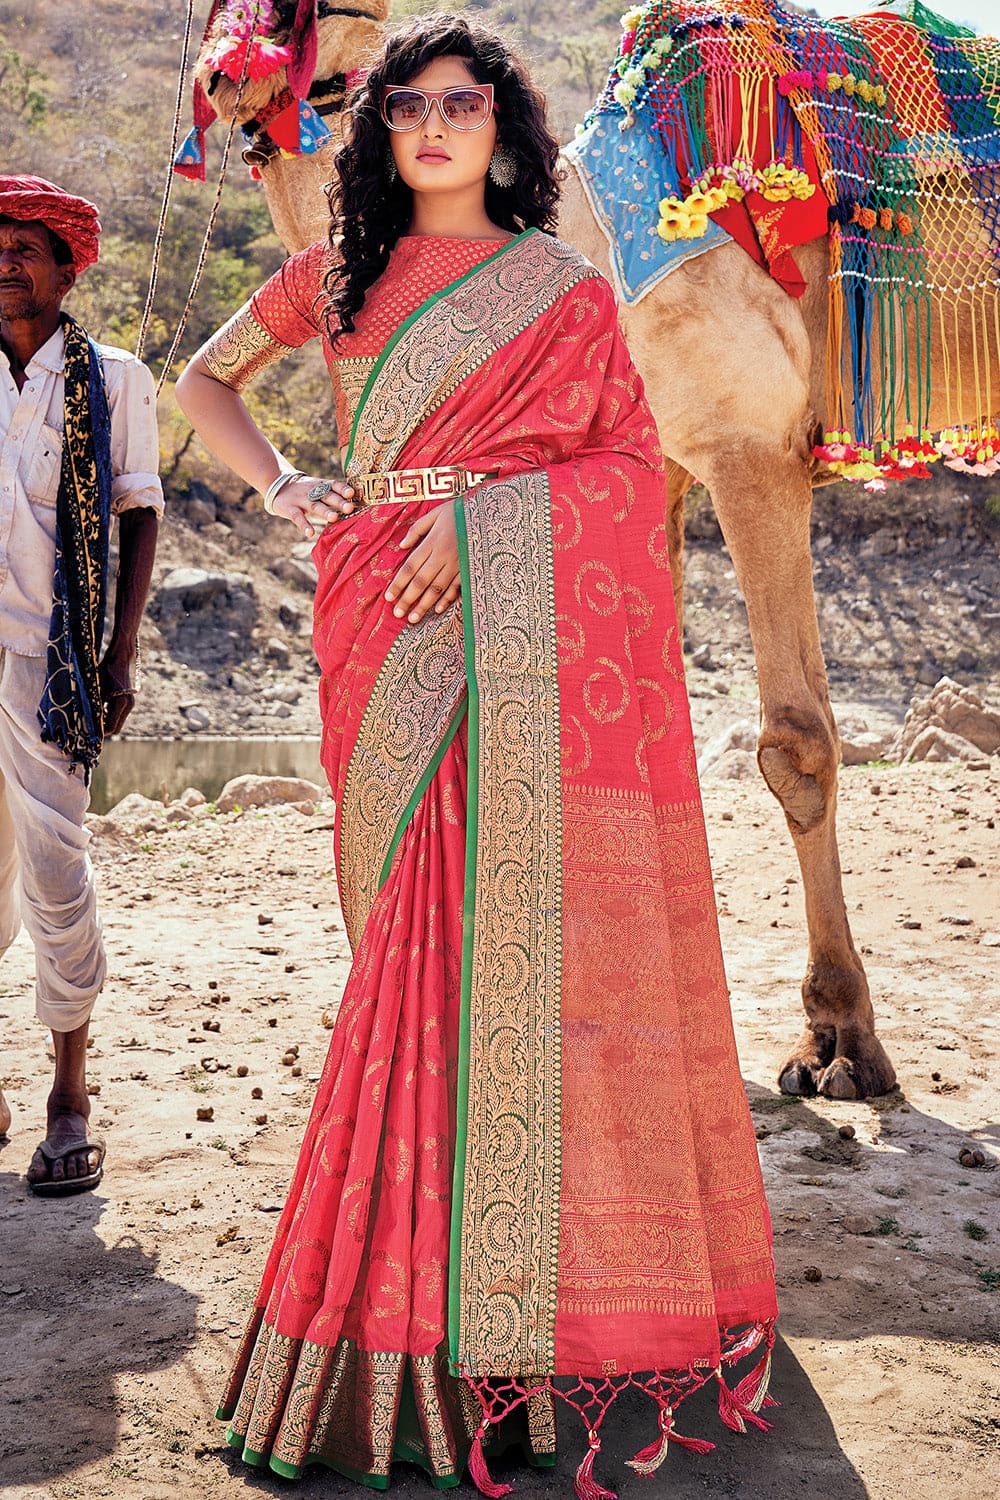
pixel 326 95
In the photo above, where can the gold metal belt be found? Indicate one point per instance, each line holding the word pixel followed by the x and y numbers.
pixel 397 485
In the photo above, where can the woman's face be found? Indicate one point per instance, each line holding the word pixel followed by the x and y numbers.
pixel 436 158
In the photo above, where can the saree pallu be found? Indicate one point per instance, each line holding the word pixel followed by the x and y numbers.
pixel 530 1154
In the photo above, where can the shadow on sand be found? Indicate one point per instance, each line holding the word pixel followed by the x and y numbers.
pixel 66 1298
pixel 799 1455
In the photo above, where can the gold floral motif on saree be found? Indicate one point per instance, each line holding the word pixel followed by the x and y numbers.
pixel 418 693
pixel 453 335
pixel 509 1235
pixel 342 1405
pixel 352 373
pixel 241 349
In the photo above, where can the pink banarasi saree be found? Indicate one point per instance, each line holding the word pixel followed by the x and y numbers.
pixel 529 1173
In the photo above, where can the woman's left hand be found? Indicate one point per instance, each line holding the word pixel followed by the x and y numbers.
pixel 429 579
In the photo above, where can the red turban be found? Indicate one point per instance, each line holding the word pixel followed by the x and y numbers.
pixel 72 219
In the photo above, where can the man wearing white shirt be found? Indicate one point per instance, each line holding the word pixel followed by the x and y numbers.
pixel 78 444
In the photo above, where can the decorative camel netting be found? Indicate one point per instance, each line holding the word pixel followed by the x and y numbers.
pixel 248 41
pixel 884 132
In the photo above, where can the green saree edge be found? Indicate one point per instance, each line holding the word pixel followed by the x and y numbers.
pixel 405 327
pixel 255 1460
pixel 420 788
pixel 468 925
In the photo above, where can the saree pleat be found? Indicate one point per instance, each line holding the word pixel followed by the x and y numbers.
pixel 352 1304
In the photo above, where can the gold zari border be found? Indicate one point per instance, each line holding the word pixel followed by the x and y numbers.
pixel 452 337
pixel 303 1402
pixel 510 1221
pixel 240 350
pixel 416 696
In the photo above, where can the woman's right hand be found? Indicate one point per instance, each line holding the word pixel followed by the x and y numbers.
pixel 293 503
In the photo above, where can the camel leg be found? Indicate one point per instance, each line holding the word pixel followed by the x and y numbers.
pixel 679 481
pixel 763 502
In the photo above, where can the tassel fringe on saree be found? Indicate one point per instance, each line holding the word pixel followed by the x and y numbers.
pixel 529 1174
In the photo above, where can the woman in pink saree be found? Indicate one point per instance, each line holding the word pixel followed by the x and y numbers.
pixel 529 1174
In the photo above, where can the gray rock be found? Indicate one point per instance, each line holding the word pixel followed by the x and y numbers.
pixel 300 571
pixel 289 613
pixel 735 765
pixel 739 736
pixel 266 791
pixel 205 616
pixel 278 651
pixel 240 683
pixel 199 493
pixel 195 588
pixel 702 657
pixel 137 814
pixel 282 692
pixel 198 513
pixel 859 749
pixel 195 716
pixel 937 726
pixel 934 743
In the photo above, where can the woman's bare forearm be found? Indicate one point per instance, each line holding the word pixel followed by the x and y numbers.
pixel 220 417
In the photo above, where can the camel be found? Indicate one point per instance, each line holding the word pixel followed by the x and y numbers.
pixel 735 372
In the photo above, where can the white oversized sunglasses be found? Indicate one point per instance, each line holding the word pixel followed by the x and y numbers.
pixel 466 108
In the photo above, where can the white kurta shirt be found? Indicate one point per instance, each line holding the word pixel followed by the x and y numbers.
pixel 31 429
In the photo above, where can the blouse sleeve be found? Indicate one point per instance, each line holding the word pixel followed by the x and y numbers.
pixel 282 315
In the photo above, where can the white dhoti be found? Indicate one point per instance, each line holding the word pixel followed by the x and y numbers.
pixel 46 877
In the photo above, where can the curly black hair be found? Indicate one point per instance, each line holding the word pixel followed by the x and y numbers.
pixel 370 212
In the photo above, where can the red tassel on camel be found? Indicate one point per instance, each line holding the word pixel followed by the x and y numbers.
pixel 302 66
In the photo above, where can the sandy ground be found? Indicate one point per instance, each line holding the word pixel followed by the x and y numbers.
pixel 119 1311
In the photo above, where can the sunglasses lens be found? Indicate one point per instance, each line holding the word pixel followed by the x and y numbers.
pixel 404 109
pixel 466 109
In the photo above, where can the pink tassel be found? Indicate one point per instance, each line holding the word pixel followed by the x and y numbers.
pixel 648 1460
pixel 752 1389
pixel 302 67
pixel 480 1474
pixel 693 1445
pixel 585 1484
pixel 734 1413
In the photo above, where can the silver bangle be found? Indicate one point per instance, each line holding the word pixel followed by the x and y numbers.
pixel 277 485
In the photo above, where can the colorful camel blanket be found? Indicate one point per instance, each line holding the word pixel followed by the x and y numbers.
pixel 773 128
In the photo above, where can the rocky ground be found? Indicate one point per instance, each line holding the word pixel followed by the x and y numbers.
pixel 119 1311
pixel 908 588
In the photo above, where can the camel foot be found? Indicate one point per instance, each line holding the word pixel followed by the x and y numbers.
pixel 839 1064
pixel 807 1062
